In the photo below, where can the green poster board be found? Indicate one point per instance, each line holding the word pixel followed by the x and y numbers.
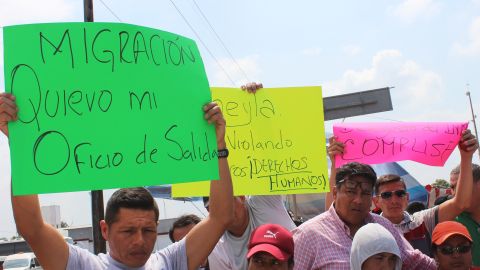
pixel 106 105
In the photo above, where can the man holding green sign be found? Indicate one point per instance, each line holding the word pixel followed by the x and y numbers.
pixel 106 105
pixel 130 224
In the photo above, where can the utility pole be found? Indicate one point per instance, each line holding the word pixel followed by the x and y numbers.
pixel 99 245
pixel 473 115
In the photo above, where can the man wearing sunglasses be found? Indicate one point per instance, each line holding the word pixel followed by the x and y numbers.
pixel 452 246
pixel 392 198
pixel 471 217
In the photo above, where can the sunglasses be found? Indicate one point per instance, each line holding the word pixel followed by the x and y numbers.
pixel 388 194
pixel 448 250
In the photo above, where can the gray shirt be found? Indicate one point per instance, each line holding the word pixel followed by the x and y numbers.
pixel 173 257
pixel 230 253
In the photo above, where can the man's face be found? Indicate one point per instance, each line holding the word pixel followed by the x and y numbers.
pixel 453 182
pixel 392 198
pixel 265 261
pixel 353 200
pixel 180 233
pixel 455 260
pixel 132 236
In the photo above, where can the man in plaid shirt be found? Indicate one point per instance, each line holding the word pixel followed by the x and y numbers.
pixel 324 242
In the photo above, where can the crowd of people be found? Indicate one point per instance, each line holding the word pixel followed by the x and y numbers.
pixel 257 232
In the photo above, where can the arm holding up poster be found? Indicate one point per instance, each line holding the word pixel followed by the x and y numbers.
pixel 204 236
pixel 131 225
pixel 334 148
pixel 462 199
pixel 44 240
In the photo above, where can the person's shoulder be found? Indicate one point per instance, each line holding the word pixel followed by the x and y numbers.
pixel 382 221
pixel 82 252
pixel 313 223
pixel 174 254
pixel 80 258
pixel 265 199
pixel 172 248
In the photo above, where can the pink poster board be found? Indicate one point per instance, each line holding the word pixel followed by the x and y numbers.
pixel 429 143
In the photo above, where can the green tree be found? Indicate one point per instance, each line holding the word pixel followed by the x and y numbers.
pixel 441 183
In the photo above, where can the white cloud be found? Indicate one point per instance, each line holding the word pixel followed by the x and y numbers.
pixel 33 11
pixel 351 50
pixel 414 85
pixel 311 51
pixel 410 10
pixel 472 47
pixel 220 77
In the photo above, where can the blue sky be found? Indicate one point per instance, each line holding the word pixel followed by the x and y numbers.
pixel 429 50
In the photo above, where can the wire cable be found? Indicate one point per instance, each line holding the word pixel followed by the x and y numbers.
pixel 111 11
pixel 201 41
pixel 201 212
pixel 221 41
pixel 191 28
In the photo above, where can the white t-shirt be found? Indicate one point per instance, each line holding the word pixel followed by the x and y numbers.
pixel 173 257
pixel 230 253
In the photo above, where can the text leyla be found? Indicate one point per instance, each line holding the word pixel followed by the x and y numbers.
pixel 175 144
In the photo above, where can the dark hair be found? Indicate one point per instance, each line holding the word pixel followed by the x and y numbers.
pixel 415 207
pixel 206 202
pixel 476 172
pixel 130 198
pixel 181 222
pixel 355 169
pixel 442 199
pixel 388 178
pixel 456 170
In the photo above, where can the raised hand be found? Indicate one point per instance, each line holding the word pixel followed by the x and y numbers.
pixel 468 143
pixel 213 114
pixel 252 87
pixel 8 111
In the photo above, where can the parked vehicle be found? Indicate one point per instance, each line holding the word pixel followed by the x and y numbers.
pixel 21 261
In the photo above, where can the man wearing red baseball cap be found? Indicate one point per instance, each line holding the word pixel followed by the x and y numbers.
pixel 270 247
pixel 452 246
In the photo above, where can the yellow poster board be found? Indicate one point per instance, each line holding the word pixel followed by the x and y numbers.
pixel 276 141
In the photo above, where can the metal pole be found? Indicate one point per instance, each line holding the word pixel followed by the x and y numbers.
pixel 473 116
pixel 99 245
pixel 88 10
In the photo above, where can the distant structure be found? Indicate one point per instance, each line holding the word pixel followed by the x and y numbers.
pixel 51 215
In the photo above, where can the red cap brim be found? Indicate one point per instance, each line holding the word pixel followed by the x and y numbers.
pixel 271 249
